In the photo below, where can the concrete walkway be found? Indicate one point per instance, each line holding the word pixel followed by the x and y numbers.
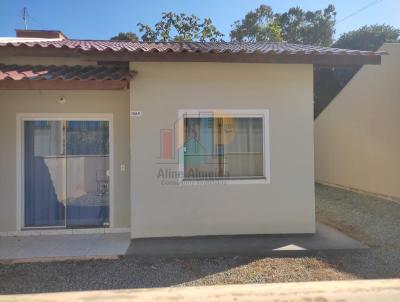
pixel 36 248
pixel 326 238
pixel 83 246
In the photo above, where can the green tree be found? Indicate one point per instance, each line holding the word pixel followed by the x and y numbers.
pixel 274 31
pixel 308 27
pixel 368 37
pixel 294 26
pixel 125 36
pixel 259 25
pixel 180 27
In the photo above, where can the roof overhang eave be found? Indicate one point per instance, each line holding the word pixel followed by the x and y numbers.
pixel 240 57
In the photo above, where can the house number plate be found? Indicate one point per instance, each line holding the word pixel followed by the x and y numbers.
pixel 136 113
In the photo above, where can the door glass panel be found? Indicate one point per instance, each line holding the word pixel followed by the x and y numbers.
pixel 87 162
pixel 44 173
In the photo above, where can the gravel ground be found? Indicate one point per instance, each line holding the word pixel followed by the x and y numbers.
pixel 371 220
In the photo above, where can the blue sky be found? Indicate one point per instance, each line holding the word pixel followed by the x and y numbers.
pixel 101 19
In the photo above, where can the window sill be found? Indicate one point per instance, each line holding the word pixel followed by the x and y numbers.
pixel 224 181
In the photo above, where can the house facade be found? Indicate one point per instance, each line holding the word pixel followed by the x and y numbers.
pixel 161 139
pixel 357 141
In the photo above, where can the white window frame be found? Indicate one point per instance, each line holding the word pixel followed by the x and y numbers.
pixel 21 118
pixel 221 113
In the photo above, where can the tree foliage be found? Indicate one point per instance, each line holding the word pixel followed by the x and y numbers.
pixel 368 37
pixel 308 27
pixel 125 36
pixel 258 25
pixel 294 26
pixel 180 27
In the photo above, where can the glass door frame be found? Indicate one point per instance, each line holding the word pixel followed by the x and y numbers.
pixel 20 159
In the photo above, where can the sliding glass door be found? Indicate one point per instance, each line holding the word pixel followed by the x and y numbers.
pixel 66 173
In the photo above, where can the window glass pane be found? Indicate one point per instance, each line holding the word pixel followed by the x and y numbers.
pixel 87 138
pixel 223 147
pixel 200 160
pixel 243 147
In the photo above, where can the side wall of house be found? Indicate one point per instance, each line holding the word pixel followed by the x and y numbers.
pixel 78 102
pixel 357 137
pixel 286 205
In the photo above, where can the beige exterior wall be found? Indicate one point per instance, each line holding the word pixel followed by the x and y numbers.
pixel 286 205
pixel 160 90
pixel 357 137
pixel 78 102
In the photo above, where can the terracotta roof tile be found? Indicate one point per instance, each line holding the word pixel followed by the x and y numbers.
pixel 179 47
pixel 52 72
